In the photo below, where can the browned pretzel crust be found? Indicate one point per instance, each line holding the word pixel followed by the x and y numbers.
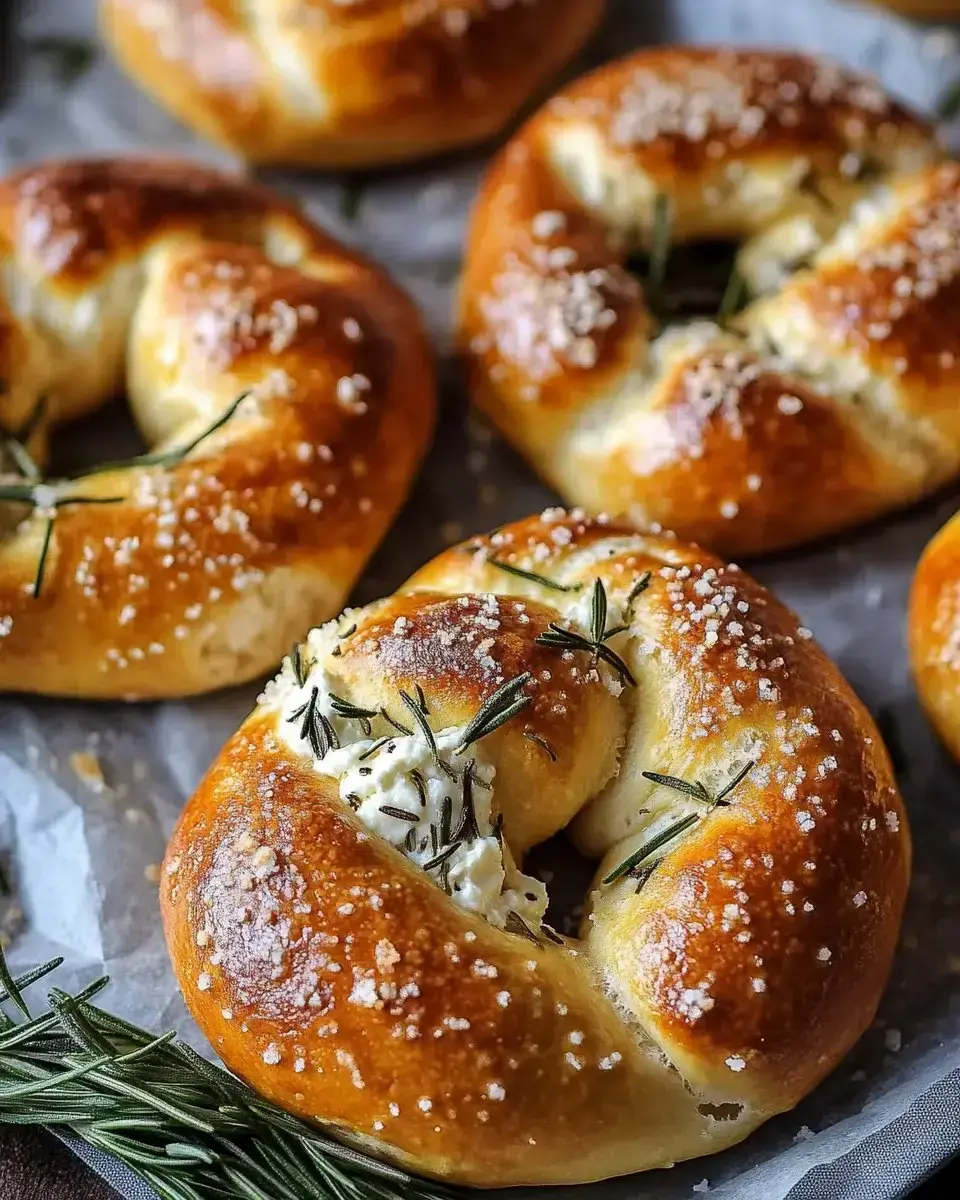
pixel 828 401
pixel 197 287
pixel 345 83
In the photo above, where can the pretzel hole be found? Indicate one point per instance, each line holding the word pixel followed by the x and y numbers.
pixel 696 281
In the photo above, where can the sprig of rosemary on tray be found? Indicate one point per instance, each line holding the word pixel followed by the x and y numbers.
pixel 632 865
pixel 188 1128
pixel 558 637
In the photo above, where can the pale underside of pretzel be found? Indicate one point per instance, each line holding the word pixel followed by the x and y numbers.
pixel 194 567
pixel 826 401
pixel 327 83
pixel 741 922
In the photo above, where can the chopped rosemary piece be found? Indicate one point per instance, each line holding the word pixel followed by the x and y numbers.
pixel 421 785
pixel 296 661
pixel 396 724
pixel 469 828
pixel 422 700
pixel 167 458
pixel 551 935
pixel 543 744
pixel 37 585
pixel 446 818
pixel 648 848
pixel 496 710
pixel 533 577
pixel 188 1128
pixel 316 727
pixel 401 814
pixel 352 712
pixel 347 633
pixel 697 790
pixel 420 716
pixel 378 745
pixel 445 853
pixel 639 588
pixel 516 924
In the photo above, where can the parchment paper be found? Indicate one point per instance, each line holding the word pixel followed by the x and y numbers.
pixel 82 853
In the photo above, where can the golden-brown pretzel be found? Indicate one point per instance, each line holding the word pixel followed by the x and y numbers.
pixel 331 971
pixel 827 401
pixel 202 288
pixel 933 632
pixel 347 83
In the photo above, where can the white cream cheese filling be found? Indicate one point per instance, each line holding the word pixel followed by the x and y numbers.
pixel 436 808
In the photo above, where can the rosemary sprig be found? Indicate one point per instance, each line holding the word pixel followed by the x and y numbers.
pixel 648 848
pixel 533 577
pixel 543 744
pixel 185 1126
pixel 505 703
pixel 560 638
pixel 353 712
pixel 316 727
pixel 638 589
pixel 698 792
pixel 299 667
pixel 167 458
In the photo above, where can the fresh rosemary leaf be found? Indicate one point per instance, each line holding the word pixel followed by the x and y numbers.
pixel 442 857
pixel 598 611
pixel 377 745
pixel 551 935
pixel 446 819
pixel 533 577
pixel 648 848
pixel 421 785
pixel 401 814
pixel 296 661
pixel 396 724
pixel 469 828
pixel 167 458
pixel 697 790
pixel 639 588
pixel 543 744
pixel 347 633
pixel 505 703
pixel 420 716
pixel 721 796
pixel 11 988
pixel 37 585
pixel 516 924
pixel 422 700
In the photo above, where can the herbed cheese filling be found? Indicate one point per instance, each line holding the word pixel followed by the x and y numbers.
pixel 434 803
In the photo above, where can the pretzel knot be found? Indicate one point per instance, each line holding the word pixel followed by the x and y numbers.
pixel 352 927
pixel 825 401
pixel 345 82
pixel 284 384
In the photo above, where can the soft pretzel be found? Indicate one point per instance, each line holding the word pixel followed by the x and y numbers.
pixel 192 568
pixel 933 632
pixel 827 401
pixel 742 919
pixel 348 83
